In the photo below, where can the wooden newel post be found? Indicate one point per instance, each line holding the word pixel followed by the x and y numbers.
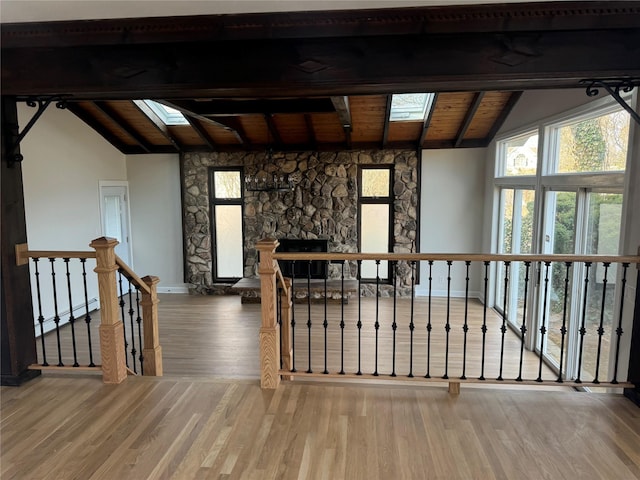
pixel 269 332
pixel 285 321
pixel 152 352
pixel 114 369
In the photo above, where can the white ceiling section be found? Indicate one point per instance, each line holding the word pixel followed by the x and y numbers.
pixel 13 11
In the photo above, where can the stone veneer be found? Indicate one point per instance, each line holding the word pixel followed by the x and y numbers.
pixel 323 204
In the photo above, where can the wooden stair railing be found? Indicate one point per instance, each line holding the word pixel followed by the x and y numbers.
pixel 272 353
pixel 111 329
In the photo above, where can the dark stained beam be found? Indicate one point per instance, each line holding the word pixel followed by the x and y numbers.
pixel 468 118
pixel 427 121
pixel 124 125
pixel 231 124
pixel 157 122
pixel 506 110
pixel 326 66
pixel 90 120
pixel 273 130
pixel 201 131
pixel 225 108
pixel 341 105
pixel 17 339
pixel 320 147
pixel 387 114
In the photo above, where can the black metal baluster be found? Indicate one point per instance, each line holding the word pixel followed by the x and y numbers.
pixel 139 322
pixel 523 326
pixel 87 317
pixel 56 317
pixel 293 316
pixel 124 321
pixel 394 325
pixel 342 318
pixel 309 370
pixel 447 326
pixel 279 318
pixel 429 327
pixel 72 318
pixel 543 327
pixel 412 325
pixel 600 326
pixel 583 329
pixel 465 327
pixel 503 327
pixel 484 317
pixel 40 316
pixel 377 323
pixel 619 332
pixel 563 328
pixel 359 324
pixel 325 323
pixel 133 331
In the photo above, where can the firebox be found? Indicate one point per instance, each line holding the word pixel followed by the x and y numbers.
pixel 315 269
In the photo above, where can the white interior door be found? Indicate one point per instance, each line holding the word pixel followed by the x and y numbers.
pixel 114 209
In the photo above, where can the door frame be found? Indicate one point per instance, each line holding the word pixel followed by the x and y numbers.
pixel 124 184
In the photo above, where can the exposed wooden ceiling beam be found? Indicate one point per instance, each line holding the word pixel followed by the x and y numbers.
pixel 157 122
pixel 273 130
pixel 426 62
pixel 201 131
pixel 90 120
pixel 124 125
pixel 427 121
pixel 230 124
pixel 506 110
pixel 468 118
pixel 253 106
pixel 387 115
pixel 341 105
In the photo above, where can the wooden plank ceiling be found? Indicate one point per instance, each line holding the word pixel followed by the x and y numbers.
pixel 457 120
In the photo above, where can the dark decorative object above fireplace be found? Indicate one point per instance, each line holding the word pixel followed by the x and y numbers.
pixel 317 268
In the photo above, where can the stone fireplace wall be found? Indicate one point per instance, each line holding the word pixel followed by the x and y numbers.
pixel 323 204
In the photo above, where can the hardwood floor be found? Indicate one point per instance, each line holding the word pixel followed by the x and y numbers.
pixel 218 336
pixel 74 427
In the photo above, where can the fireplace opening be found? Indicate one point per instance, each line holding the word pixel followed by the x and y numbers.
pixel 316 269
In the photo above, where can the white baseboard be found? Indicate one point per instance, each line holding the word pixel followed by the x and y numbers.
pixel 79 312
pixel 174 289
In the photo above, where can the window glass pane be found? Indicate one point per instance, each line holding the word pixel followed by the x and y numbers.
pixel 375 182
pixel 227 184
pixel 603 236
pixel 520 155
pixel 593 145
pixel 228 241
pixel 374 237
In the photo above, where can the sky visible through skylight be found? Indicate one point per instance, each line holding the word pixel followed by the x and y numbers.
pixel 168 115
pixel 410 106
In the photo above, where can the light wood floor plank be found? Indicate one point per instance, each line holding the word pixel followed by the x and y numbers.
pixel 185 428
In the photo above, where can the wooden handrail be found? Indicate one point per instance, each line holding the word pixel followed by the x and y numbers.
pixel 474 257
pixel 23 254
pixel 132 276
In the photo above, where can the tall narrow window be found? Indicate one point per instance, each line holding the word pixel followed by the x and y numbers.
pixel 376 218
pixel 226 217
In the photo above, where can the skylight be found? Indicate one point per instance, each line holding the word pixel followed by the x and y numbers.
pixel 168 115
pixel 408 107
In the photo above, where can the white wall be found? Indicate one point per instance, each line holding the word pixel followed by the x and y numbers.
pixel 154 190
pixel 451 214
pixel 63 162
